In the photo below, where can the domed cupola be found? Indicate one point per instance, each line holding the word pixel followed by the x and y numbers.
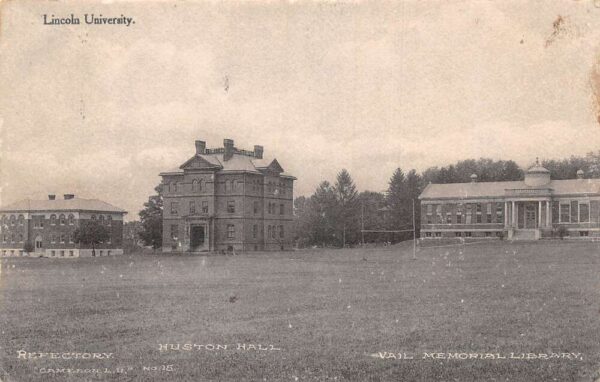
pixel 537 175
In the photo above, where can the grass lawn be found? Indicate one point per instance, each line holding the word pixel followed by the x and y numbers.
pixel 332 314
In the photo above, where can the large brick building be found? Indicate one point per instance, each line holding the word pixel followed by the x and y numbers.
pixel 227 199
pixel 48 226
pixel 533 208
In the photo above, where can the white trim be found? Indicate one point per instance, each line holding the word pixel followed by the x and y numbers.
pixel 464 230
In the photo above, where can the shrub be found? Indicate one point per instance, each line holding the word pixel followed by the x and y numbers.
pixel 28 248
pixel 562 232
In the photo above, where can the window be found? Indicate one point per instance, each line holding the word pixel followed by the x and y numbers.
pixel 574 211
pixel 174 186
pixel 36 221
pixel 72 219
pixel 12 237
pixel 71 253
pixel 458 234
pixel 427 234
pixel 12 220
pixel 499 213
pixel 101 219
pixel 269 231
pixel 194 185
pixel 20 238
pixel 565 212
pixel 5 238
pixel 429 213
pixel 174 208
pixel 478 212
pixel 254 231
pixel 52 238
pixel 62 253
pixel 584 212
pixel 281 209
pixel 108 253
pixel 469 214
pixel 21 220
pixel 255 207
pixel 93 218
pixel 227 186
pixel 108 220
pixel 174 231
pixel 61 219
pixel 52 253
pixel 230 231
pixel 39 244
pixel 62 238
pixel 488 217
pixel 458 217
pixel 192 207
pixel 584 233
pixel 204 207
pixel 231 206
pixel 488 234
pixel 109 240
pixel 201 185
pixel 53 219
pixel 281 233
pixel 72 238
pixel 448 218
pixel 438 234
pixel 467 234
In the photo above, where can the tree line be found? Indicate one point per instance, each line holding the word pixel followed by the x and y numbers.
pixel 336 213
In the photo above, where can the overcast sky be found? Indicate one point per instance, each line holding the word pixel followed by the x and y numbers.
pixel 99 111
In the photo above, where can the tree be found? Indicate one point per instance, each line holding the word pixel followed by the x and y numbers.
pixel 151 217
pixel 346 205
pixel 91 233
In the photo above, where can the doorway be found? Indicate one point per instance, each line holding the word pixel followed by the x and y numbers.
pixel 39 244
pixel 197 237
pixel 530 216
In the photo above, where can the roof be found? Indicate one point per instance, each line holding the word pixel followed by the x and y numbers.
pixel 237 163
pixel 498 189
pixel 75 204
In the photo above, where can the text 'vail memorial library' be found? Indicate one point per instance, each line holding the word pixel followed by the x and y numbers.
pixel 534 208
pixel 226 199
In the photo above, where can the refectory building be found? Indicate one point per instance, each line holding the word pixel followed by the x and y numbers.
pixel 48 226
pixel 536 207
pixel 226 199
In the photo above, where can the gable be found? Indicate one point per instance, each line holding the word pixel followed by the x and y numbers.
pixel 274 166
pixel 198 163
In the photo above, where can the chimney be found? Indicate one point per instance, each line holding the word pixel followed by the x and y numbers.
pixel 228 145
pixel 200 147
pixel 51 197
pixel 69 196
pixel 580 174
pixel 258 152
pixel 473 178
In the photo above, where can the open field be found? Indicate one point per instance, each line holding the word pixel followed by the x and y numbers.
pixel 330 312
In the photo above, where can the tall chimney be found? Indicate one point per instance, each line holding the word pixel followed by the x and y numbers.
pixel 580 174
pixel 228 145
pixel 51 197
pixel 200 147
pixel 258 151
pixel 69 196
pixel 473 178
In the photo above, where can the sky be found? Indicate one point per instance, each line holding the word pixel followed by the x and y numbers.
pixel 101 110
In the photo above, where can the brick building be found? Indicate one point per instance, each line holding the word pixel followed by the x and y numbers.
pixel 227 199
pixel 48 225
pixel 534 208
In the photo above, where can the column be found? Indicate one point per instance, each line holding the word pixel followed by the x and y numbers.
pixel 539 214
pixel 513 214
pixel 505 214
pixel 548 217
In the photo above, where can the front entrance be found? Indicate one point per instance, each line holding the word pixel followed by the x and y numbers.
pixel 530 216
pixel 39 244
pixel 197 237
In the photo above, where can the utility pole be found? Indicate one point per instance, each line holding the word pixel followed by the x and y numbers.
pixel 362 222
pixel 414 231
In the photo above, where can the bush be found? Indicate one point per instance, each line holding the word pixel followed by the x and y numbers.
pixel 561 232
pixel 28 248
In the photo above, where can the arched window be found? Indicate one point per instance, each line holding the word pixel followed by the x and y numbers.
pixel 109 220
pixel 71 219
pixel 63 238
pixel 201 185
pixel 13 219
pixel 194 185
pixel 61 219
pixel 174 186
pixel 21 219
pixel 52 219
pixel 93 217
pixel 101 219
pixel 20 238
pixel 12 237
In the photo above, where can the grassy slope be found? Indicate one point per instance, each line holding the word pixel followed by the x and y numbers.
pixel 327 310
